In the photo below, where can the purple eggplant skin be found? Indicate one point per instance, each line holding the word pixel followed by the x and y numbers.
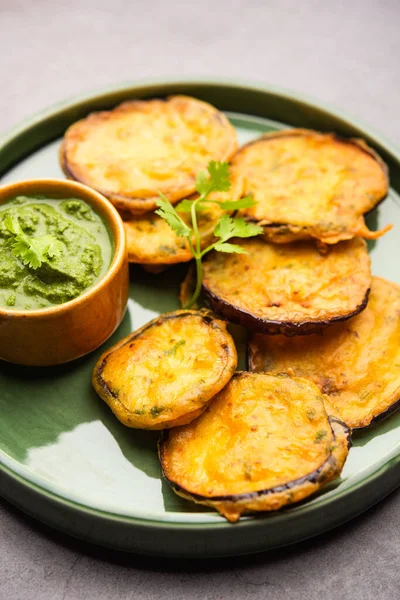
pixel 245 319
pixel 318 476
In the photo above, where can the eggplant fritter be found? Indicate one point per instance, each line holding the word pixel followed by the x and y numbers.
pixel 311 185
pixel 144 147
pixel 165 373
pixel 264 442
pixel 356 364
pixel 290 288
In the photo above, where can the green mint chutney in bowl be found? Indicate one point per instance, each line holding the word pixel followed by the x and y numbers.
pixel 50 251
pixel 63 271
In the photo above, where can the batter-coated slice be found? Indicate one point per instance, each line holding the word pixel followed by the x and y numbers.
pixel 263 443
pixel 356 364
pixel 311 185
pixel 144 147
pixel 165 373
pixel 290 288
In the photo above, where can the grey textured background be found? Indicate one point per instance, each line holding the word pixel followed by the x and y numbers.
pixel 343 52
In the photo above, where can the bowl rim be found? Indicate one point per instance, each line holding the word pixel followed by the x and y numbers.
pixel 97 201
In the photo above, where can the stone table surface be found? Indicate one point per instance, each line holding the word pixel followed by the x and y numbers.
pixel 345 53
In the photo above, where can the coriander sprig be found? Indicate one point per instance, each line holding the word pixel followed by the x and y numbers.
pixel 217 180
pixel 31 251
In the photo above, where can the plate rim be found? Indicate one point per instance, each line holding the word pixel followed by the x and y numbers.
pixel 306 507
pixel 12 478
pixel 238 82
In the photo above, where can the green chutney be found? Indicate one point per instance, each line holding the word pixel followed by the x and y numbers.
pixel 82 255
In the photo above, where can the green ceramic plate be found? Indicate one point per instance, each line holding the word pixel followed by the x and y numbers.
pixel 67 461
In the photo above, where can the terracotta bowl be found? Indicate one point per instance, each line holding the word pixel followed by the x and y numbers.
pixel 55 335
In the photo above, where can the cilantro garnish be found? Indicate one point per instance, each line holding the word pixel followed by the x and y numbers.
pixel 216 180
pixel 33 252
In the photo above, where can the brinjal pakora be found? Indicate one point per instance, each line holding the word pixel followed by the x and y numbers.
pixel 290 288
pixel 165 373
pixel 143 147
pixel 311 185
pixel 356 364
pixel 264 442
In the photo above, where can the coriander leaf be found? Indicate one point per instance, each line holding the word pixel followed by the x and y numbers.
pixel 31 251
pixel 230 248
pixel 49 245
pixel 243 229
pixel 32 258
pixel 12 224
pixel 168 212
pixel 218 179
pixel 19 247
pixel 236 204
pixel 202 183
pixel 184 206
pixel 219 176
pixel 55 248
pixel 224 227
pixel 228 227
pixel 27 253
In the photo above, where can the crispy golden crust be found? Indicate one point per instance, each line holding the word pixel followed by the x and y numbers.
pixel 311 185
pixel 144 147
pixel 165 373
pixel 356 364
pixel 263 443
pixel 292 288
pixel 151 241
